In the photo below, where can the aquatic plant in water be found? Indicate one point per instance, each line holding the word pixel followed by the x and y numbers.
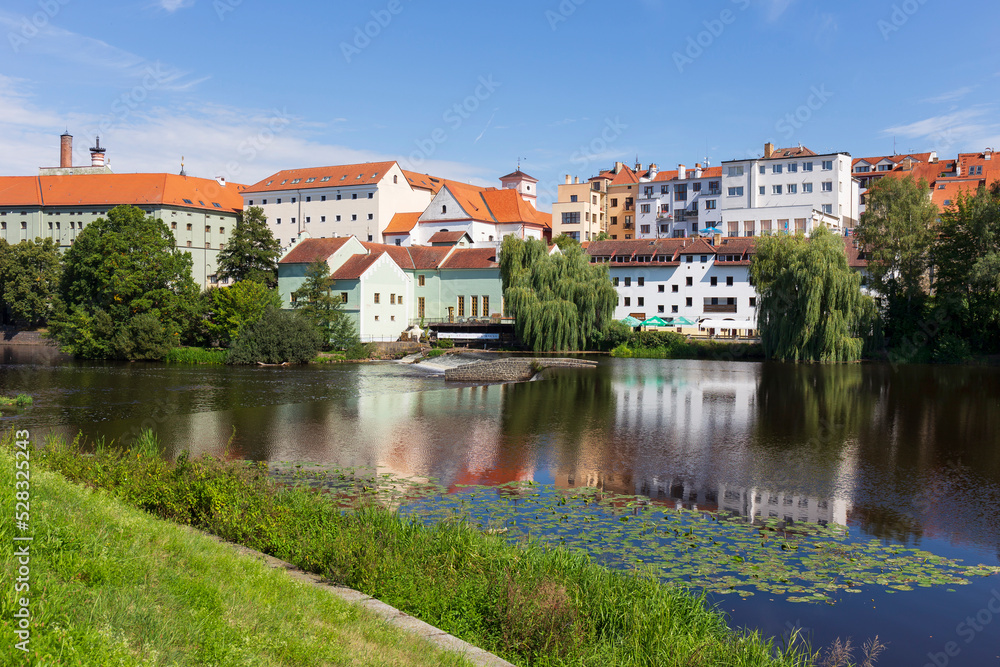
pixel 803 562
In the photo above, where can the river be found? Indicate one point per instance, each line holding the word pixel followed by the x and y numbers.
pixel 908 455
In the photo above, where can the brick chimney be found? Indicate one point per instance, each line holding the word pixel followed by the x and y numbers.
pixel 768 150
pixel 66 150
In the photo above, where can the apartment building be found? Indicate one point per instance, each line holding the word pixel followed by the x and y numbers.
pixel 677 204
pixel 788 190
pixel 579 211
pixel 346 200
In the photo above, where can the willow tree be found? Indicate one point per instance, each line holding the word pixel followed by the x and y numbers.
pixel 558 302
pixel 811 307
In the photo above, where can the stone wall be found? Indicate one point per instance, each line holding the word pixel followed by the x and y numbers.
pixel 511 369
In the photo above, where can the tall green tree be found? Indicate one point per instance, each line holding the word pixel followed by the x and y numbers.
pixel 252 252
pixel 119 268
pixel 897 231
pixel 558 302
pixel 967 270
pixel 315 300
pixel 811 307
pixel 238 306
pixel 29 279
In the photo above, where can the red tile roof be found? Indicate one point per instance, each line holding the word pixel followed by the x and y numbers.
pixel 698 247
pixel 424 257
pixel 402 223
pixel 947 191
pixel 794 151
pixel 472 258
pixel 446 237
pixel 19 191
pixel 108 190
pixel 625 177
pixel 519 174
pixel 314 250
pixel 355 266
pixel 424 181
pixel 368 173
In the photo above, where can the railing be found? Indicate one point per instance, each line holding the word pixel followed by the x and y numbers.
pixel 482 319
pixel 720 308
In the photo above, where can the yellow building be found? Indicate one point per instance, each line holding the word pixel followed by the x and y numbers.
pixel 579 213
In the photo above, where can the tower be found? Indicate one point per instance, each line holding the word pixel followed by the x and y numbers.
pixel 524 184
pixel 97 155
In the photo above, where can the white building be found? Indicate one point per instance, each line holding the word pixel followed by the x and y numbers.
pixel 677 204
pixel 347 200
pixel 788 190
pixel 706 285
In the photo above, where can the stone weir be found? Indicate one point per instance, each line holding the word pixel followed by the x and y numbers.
pixel 510 369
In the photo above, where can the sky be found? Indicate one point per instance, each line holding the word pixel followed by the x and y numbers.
pixel 242 88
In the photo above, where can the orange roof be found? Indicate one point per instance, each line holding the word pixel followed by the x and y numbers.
pixel 423 181
pixel 314 250
pixel 446 237
pixel 794 151
pixel 698 247
pixel 508 206
pixel 402 223
pixel 355 266
pixel 139 190
pixel 424 257
pixel 19 191
pixel 368 173
pixel 947 191
pixel 625 176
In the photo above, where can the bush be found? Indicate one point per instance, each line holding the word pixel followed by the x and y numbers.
pixel 278 337
pixel 445 343
pixel 359 351
pixel 144 338
pixel 950 349
pixel 195 355
pixel 615 333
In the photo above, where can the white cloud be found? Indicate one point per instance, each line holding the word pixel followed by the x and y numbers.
pixel 951 95
pixel 775 8
pixel 173 5
pixel 950 133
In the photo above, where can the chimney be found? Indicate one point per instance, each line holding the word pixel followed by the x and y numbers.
pixel 96 154
pixel 697 169
pixel 619 166
pixel 681 172
pixel 638 167
pixel 717 239
pixel 568 181
pixel 653 171
pixel 576 180
pixel 221 180
pixel 66 150
pixel 768 150
pixel 988 154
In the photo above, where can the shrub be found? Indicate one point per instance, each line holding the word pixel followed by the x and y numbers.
pixel 445 343
pixel 278 337
pixel 359 351
pixel 195 355
pixel 144 338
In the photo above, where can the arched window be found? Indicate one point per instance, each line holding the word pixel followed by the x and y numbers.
pixel 395 179
pixel 444 209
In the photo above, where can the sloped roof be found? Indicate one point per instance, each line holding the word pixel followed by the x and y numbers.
pixel 19 191
pixel 424 257
pixel 794 151
pixel 948 190
pixel 625 176
pixel 402 223
pixel 508 206
pixel 314 250
pixel 138 190
pixel 470 198
pixel 446 237
pixel 519 174
pixel 471 258
pixel 398 254
pixel 698 247
pixel 424 181
pixel 355 266
pixel 368 173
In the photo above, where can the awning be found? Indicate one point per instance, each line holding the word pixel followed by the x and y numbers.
pixel 631 321
pixel 731 325
pixel 682 322
pixel 654 322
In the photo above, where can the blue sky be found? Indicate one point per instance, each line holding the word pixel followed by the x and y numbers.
pixel 243 88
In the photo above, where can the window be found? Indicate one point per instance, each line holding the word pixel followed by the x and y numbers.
pixel 689 281
pixel 474 302
pixel 753 302
pixel 628 282
pixel 322 218
pixel 660 288
pixel 395 179
pixel 664 189
pixel 674 289
pixel 644 208
pixel 279 200
pixel 792 188
pixel 392 299
pixel 614 220
pixel 309 198
pixel 673 309
pixel 827 186
pixel 293 221
pixel 322 198
pixel 486 304
pixel 827 165
pixel 736 192
pixel 763 170
pixel 714 281
pixel 689 258
pixel 680 192
pixel 343 297
pixel 710 204
pixel 421 312
pixel 189 226
pixel 807 188
pixel 173 224
pixel 377 297
pixel 765 227
pixel 277 221
pixel 188 243
pixel 571 218
pixel 640 281
pixel 807 166
pixel 338 197
pixel 308 219
pixel 420 280
pixel 688 301
pixel 376 318
pixel 776 169
pixel 371 195
pixel 371 216
pixel 792 167
pixel 614 201
pixel 736 171
pixel 628 301
pixel 644 229
pixel 263 202
pixel 704 258
pixel 641 301
pixel 461 306
pixel 369 238
pixel 828 208
pixel 354 195
pixel 338 218
pixel 862 169
pixel 729 281
pixel 659 309
pixel 762 190
pixel 249 204
pixel 775 189
pixel 293 200
pixel 572 198
pixel 354 216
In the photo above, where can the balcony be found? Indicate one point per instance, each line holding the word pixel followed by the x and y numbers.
pixel 720 308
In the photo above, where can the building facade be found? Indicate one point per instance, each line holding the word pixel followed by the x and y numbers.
pixel 579 212
pixel 677 204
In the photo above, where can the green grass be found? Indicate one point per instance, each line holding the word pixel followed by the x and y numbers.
pixel 20 401
pixel 111 585
pixel 532 605
pixel 195 355
pixel 693 349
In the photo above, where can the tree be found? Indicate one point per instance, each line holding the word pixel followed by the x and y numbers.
pixel 29 279
pixel 564 241
pixel 967 275
pixel 811 307
pixel 558 302
pixel 279 336
pixel 897 230
pixel 315 300
pixel 119 268
pixel 252 252
pixel 238 306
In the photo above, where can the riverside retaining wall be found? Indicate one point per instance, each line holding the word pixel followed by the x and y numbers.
pixel 512 369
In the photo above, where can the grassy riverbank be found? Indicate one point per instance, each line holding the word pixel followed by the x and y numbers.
pixel 111 585
pixel 533 606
